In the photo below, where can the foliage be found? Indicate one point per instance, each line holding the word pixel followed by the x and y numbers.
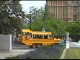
pixel 10 16
pixel 74 30
pixel 25 26
pixel 53 25
pixel 36 13
pixel 41 19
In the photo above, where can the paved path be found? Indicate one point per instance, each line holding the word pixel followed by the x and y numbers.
pixel 4 54
pixel 63 54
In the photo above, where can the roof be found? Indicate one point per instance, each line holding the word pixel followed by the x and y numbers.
pixel 45 33
pixel 36 32
pixel 26 30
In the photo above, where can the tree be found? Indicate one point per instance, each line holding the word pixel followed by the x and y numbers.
pixel 74 30
pixel 53 25
pixel 43 19
pixel 10 16
pixel 36 13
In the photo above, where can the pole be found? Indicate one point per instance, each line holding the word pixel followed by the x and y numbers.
pixel 67 40
pixel 30 22
pixel 11 1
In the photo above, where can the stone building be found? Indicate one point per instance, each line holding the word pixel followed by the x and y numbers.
pixel 68 11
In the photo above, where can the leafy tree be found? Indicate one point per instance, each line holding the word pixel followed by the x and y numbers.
pixel 74 30
pixel 36 13
pixel 44 20
pixel 54 25
pixel 11 15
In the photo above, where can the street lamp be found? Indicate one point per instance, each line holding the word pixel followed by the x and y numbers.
pixel 67 40
pixel 67 36
pixel 30 19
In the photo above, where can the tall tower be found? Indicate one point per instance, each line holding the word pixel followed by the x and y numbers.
pixel 68 11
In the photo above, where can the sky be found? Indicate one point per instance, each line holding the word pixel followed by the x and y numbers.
pixel 27 4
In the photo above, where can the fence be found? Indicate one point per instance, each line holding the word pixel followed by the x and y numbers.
pixel 74 44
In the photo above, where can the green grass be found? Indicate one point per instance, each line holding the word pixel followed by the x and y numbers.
pixel 12 57
pixel 72 53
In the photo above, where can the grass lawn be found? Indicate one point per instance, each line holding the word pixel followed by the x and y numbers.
pixel 72 53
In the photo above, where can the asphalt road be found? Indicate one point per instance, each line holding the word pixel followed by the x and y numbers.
pixel 15 47
pixel 21 47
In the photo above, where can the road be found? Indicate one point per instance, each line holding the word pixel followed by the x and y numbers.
pixel 21 47
pixel 16 50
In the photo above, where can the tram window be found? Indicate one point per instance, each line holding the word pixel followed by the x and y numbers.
pixel 38 36
pixel 45 36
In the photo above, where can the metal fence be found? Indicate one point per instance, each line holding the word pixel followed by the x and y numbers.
pixel 75 38
pixel 74 44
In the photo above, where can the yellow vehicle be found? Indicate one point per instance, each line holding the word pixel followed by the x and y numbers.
pixel 37 38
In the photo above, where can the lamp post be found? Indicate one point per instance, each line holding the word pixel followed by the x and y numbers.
pixel 67 36
pixel 67 40
pixel 11 1
pixel 30 19
pixel 43 30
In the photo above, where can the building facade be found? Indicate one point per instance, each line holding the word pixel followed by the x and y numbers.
pixel 68 11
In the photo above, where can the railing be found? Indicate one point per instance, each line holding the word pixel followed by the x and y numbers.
pixel 74 44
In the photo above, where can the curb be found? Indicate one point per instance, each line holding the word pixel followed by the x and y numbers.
pixel 63 54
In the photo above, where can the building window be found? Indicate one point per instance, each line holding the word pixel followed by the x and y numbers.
pixel 74 17
pixel 74 9
pixel 65 2
pixel 73 2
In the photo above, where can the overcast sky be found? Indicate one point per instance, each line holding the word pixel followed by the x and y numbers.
pixel 27 4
